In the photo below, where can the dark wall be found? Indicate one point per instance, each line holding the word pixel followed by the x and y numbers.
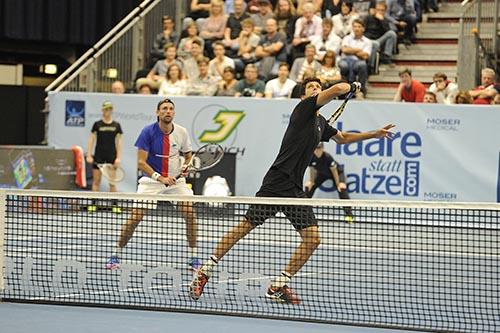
pixel 21 120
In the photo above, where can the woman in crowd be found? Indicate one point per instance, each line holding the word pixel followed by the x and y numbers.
pixel 226 85
pixel 174 85
pixel 159 70
pixel 184 49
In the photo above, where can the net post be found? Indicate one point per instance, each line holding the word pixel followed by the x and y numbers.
pixel 3 203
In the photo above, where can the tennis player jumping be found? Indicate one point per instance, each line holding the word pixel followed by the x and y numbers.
pixel 284 179
pixel 159 148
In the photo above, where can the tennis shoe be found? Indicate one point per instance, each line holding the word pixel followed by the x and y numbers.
pixel 282 295
pixel 113 263
pixel 116 210
pixel 92 208
pixel 196 288
pixel 194 263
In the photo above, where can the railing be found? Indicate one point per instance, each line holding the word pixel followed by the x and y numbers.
pixel 120 53
pixel 478 45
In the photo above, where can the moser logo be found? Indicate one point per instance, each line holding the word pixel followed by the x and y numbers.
pixel 443 124
pixel 393 168
pixel 75 113
pixel 216 124
pixel 440 196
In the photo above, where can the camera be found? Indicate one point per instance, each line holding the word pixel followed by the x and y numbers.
pixel 247 92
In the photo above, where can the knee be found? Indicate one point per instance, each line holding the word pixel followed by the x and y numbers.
pixel 315 241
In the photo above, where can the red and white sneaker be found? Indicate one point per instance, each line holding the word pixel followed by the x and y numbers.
pixel 196 288
pixel 282 295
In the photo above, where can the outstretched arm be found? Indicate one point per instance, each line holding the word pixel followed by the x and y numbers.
pixel 336 90
pixel 348 137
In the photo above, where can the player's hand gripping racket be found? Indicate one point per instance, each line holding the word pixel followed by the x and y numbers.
pixel 335 115
pixel 205 157
pixel 111 173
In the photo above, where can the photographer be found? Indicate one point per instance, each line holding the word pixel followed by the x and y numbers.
pixel 250 86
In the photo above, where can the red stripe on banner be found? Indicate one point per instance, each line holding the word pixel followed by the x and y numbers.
pixel 166 152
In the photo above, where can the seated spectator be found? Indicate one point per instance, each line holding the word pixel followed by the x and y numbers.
pixel 259 19
pixel 484 93
pixel 429 97
pixel 190 65
pixel 282 86
pixel 403 15
pixel 463 97
pixel 245 45
pixel 329 73
pixel 159 70
pixel 117 87
pixel 330 8
pixel 250 85
pixel 409 90
pixel 363 8
pixel 184 48
pixel 227 84
pixel 271 50
pixel 301 65
pixel 328 41
pixel 384 39
pixel 356 50
pixel 306 27
pixel 213 26
pixel 444 89
pixel 286 16
pixel 167 36
pixel 203 84
pixel 316 6
pixel 145 86
pixel 174 84
pixel 233 25
pixel 342 22
pixel 219 62
pixel 198 11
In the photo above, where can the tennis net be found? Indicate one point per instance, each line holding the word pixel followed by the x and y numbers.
pixel 412 265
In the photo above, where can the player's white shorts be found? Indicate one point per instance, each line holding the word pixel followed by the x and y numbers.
pixel 151 186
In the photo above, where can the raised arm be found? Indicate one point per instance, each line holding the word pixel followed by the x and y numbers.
pixel 336 90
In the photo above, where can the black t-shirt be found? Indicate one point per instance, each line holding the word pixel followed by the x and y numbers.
pixel 302 135
pixel 234 23
pixel 323 164
pixel 106 134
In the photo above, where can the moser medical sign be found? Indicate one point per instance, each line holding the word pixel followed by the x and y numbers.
pixel 439 152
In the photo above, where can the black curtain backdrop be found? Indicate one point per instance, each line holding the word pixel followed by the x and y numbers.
pixel 80 22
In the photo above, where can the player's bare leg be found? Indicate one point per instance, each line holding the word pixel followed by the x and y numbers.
pixel 189 215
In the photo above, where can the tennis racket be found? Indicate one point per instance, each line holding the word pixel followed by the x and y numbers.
pixel 333 118
pixel 111 173
pixel 205 157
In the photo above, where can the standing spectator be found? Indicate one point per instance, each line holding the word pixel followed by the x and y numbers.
pixel 271 50
pixel 203 84
pixel 356 50
pixel 430 97
pixel 159 70
pixel 403 15
pixel 342 22
pixel 167 36
pixel 329 73
pixel 227 84
pixel 260 18
pixel 233 25
pixel 378 29
pixel 190 65
pixel 444 89
pixel 250 86
pixel 301 65
pixel 117 87
pixel 245 45
pixel 484 93
pixel 282 86
pixel 174 85
pixel 463 97
pixel 184 48
pixel 330 8
pixel 220 61
pixel 409 90
pixel 213 26
pixel 328 41
pixel 306 27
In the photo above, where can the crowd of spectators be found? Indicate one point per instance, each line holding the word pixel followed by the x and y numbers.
pixel 263 48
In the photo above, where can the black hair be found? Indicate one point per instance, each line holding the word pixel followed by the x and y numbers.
pixel 165 100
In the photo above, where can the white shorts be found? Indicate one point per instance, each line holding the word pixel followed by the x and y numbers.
pixel 151 186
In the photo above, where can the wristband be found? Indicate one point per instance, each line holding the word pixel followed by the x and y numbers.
pixel 354 87
pixel 155 176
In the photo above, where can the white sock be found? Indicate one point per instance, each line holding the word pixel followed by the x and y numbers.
pixel 281 280
pixel 209 265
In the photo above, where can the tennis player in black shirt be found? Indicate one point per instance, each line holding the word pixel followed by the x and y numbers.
pixel 284 179
pixel 323 167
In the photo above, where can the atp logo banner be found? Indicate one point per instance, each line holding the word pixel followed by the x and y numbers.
pixel 75 113
pixel 216 124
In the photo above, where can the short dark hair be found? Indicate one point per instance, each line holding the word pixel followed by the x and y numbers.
pixel 405 70
pixel 440 75
pixel 310 79
pixel 165 100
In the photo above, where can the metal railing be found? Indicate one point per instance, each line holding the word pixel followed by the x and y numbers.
pixel 121 53
pixel 478 45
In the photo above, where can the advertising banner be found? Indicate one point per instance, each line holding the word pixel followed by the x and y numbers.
pixel 439 152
